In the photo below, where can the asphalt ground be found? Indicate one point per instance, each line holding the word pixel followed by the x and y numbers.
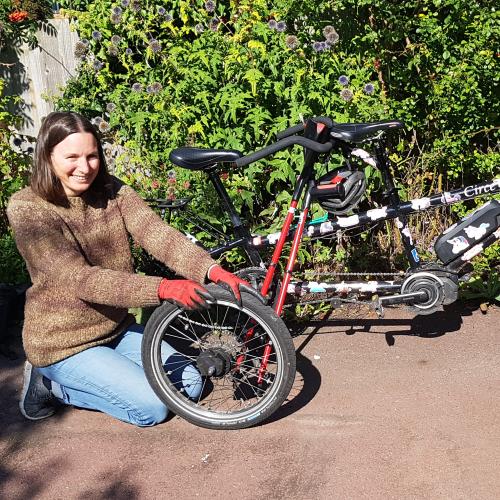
pixel 393 408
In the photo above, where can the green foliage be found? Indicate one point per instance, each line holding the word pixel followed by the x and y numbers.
pixel 19 20
pixel 13 176
pixel 480 287
pixel 158 75
pixel 232 85
pixel 13 165
pixel 12 266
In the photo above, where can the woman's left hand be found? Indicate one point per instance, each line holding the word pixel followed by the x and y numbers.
pixel 235 284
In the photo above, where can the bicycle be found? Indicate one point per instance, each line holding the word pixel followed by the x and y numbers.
pixel 245 355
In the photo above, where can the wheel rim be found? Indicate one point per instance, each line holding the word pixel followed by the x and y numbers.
pixel 235 393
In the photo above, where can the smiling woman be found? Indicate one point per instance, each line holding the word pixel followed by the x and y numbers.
pixel 72 226
pixel 76 162
pixel 68 158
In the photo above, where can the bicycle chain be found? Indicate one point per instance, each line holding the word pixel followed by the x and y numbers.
pixel 360 275
pixel 322 301
pixel 212 327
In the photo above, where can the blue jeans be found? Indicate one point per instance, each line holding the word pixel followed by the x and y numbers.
pixel 110 378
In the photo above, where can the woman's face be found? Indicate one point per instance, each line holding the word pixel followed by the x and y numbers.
pixel 75 161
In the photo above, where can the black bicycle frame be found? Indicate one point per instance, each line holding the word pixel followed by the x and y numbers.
pixel 395 210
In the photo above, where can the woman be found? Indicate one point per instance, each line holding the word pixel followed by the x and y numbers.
pixel 72 226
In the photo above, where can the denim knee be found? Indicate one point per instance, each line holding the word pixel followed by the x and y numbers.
pixel 153 414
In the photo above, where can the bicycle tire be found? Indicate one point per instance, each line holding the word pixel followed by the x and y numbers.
pixel 233 398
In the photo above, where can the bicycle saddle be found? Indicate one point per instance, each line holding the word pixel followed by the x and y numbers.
pixel 358 132
pixel 200 158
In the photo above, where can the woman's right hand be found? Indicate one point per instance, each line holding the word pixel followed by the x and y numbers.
pixel 185 293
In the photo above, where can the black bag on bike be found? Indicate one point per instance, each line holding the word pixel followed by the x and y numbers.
pixel 468 232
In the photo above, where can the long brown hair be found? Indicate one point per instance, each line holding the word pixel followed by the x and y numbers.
pixel 55 128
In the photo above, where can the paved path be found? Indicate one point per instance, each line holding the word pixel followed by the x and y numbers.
pixel 397 408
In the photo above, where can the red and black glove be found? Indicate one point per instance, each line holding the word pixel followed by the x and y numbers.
pixel 185 293
pixel 231 281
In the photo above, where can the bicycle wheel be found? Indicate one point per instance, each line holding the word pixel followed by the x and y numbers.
pixel 232 367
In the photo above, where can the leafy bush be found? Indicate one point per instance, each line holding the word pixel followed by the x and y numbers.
pixel 12 266
pixel 157 75
pixel 13 165
pixel 19 20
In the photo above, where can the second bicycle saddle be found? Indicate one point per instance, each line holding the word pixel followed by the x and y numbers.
pixel 358 132
pixel 202 159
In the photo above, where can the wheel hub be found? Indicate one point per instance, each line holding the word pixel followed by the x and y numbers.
pixel 214 362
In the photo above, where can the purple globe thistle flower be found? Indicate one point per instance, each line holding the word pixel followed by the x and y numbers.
pixel 272 24
pixel 97 65
pixel 80 49
pixel 210 6
pixel 110 107
pixel 85 41
pixel 169 18
pixel 162 11
pixel 156 87
pixel 128 51
pixel 281 27
pixel 369 88
pixel 113 50
pixel 103 126
pixel 115 39
pixel 343 80
pixel 317 46
pixel 115 19
pixel 199 28
pixel 117 11
pixel 149 89
pixel 327 30
pixel 214 24
pixel 135 5
pixel 332 38
pixel 292 42
pixel 155 46
pixel 125 3
pixel 346 94
pixel 96 35
pixel 171 174
pixel 136 87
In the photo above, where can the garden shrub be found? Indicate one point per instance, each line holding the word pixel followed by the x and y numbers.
pixel 14 167
pixel 19 22
pixel 20 19
pixel 155 75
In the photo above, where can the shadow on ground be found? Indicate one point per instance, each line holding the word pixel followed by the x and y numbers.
pixel 19 439
pixel 426 326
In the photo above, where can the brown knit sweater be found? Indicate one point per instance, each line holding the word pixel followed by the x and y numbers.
pixel 80 264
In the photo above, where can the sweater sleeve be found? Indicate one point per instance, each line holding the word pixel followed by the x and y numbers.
pixel 55 257
pixel 163 242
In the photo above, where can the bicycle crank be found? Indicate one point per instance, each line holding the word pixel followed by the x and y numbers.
pixel 424 292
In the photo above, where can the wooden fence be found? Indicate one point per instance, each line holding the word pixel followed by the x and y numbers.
pixel 37 75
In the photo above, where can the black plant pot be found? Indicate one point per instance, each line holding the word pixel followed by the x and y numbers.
pixel 8 296
pixel 12 299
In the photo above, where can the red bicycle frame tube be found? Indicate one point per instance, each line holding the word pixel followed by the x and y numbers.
pixel 291 262
pixel 279 247
pixel 315 130
pixel 284 285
